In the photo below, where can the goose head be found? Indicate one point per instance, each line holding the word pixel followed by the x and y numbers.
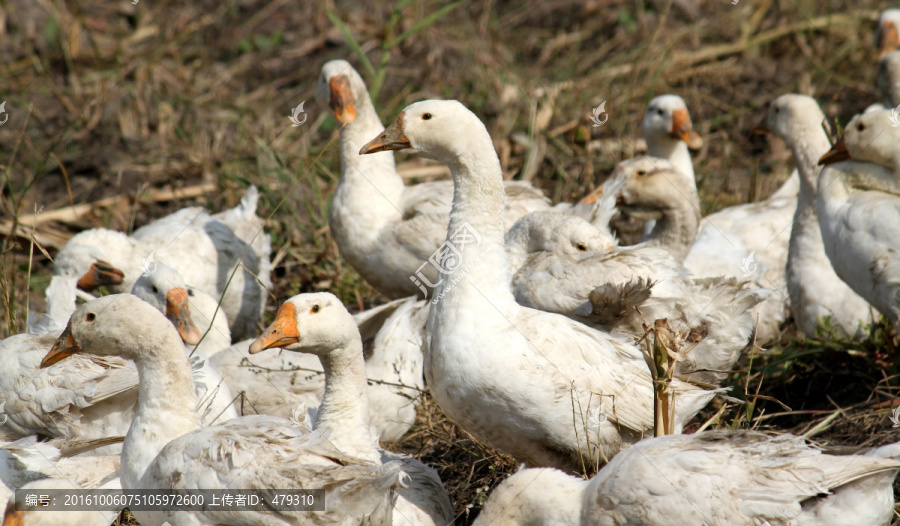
pixel 869 137
pixel 887 36
pixel 95 257
pixel 115 325
pixel 339 87
pixel 790 116
pixel 667 119
pixel 315 323
pixel 550 231
pixel 442 130
pixel 165 289
pixel 889 79
pixel 651 185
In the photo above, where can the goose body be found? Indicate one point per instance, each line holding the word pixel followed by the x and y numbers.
pixel 859 210
pixel 166 448
pixel 386 230
pixel 551 364
pixel 746 478
pixel 204 249
pixel 816 291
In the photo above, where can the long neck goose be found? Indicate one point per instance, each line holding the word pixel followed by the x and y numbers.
pixel 166 448
pixel 203 249
pixel 552 365
pixel 746 478
pixel 858 208
pixel 278 383
pixel 388 231
pixel 654 189
pixel 816 291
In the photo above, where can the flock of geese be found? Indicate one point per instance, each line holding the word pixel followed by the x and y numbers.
pixel 526 337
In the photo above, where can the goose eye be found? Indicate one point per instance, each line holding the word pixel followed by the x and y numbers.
pixel 581 247
pixel 659 111
pixel 90 316
pixel 426 116
pixel 314 309
pixel 777 109
pixel 641 173
pixel 860 127
pixel 154 289
pixel 190 292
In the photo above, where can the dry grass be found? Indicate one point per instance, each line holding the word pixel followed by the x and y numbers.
pixel 119 102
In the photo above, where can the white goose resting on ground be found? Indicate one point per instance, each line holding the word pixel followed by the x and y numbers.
pixel 90 397
pixel 386 230
pixel 859 210
pixel 551 364
pixel 281 383
pixel 745 478
pixel 728 237
pixel 166 448
pixel 816 291
pixel 204 249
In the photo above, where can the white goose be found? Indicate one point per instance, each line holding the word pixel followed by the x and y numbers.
pixel 745 479
pixel 282 383
pixel 388 231
pixel 816 291
pixel 568 395
pixel 859 210
pixel 726 238
pixel 166 448
pixel 204 249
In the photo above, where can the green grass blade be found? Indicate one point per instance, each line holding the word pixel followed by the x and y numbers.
pixel 425 22
pixel 351 41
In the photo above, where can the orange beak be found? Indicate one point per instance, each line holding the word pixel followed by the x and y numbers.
pixel 64 347
pixel 837 153
pixel 888 38
pixel 100 274
pixel 592 197
pixel 342 99
pixel 392 138
pixel 13 517
pixel 762 128
pixel 281 333
pixel 179 313
pixel 682 129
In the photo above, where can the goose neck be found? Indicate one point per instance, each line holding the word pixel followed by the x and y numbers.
pixel 167 403
pixel 677 230
pixel 343 416
pixel 676 151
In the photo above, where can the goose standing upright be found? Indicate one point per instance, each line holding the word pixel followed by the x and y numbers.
pixel 165 448
pixel 746 479
pixel 859 210
pixel 815 289
pixel 386 230
pixel 553 366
